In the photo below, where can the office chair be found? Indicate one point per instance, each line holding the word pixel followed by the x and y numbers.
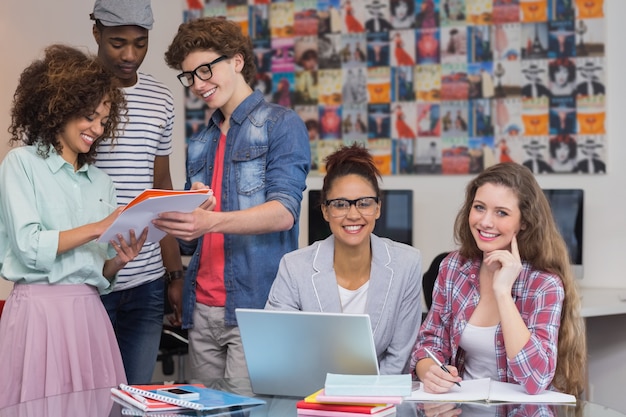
pixel 174 343
pixel 429 278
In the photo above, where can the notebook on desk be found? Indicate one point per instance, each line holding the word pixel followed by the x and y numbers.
pixel 290 352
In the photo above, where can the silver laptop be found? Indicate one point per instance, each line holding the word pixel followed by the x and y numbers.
pixel 289 353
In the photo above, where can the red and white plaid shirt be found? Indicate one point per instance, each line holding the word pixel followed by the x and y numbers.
pixel 538 296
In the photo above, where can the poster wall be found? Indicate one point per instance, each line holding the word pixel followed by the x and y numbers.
pixel 433 86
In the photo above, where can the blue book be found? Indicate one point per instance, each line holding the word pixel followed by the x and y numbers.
pixel 368 385
pixel 208 398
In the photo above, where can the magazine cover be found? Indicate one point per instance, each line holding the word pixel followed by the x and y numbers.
pixel 428 50
pixel 381 154
pixel 281 19
pixel 479 45
pixel 591 154
pixel 379 85
pixel 403 155
pixel 508 78
pixel 454 82
pixel 330 86
pixel 329 16
pixel 403 47
pixel 455 157
pixel 534 42
pixel 402 85
pixel 535 84
pixel 536 156
pixel 328 47
pixel 354 123
pixel 506 41
pixel 353 50
pixel 283 88
pixel 453 12
pixel 590 37
pixel 508 117
pixel 283 54
pixel 306 52
pixel 480 118
pixel 480 80
pixel 305 21
pixel 259 21
pixel 590 80
pixel 428 120
pixel 305 87
pixel 534 10
pixel 428 153
pixel 378 121
pixel 330 121
pixel 561 39
pixel 354 85
pixel 506 11
pixel 479 12
pixel 378 49
pixel 404 120
pixel 454 119
pixel 427 82
pixel 352 17
pixel 454 44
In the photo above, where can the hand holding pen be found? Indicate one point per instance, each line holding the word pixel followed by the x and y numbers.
pixel 439 364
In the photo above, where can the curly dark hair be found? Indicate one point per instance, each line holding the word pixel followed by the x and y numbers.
pixel 541 244
pixel 65 85
pixel 216 34
pixel 347 160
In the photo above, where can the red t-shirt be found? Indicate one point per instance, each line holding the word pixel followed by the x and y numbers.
pixel 210 289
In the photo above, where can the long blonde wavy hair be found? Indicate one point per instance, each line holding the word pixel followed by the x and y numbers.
pixel 541 244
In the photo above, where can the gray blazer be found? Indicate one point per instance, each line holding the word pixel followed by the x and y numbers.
pixel 306 281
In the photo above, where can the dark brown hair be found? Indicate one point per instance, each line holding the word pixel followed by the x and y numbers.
pixel 347 160
pixel 66 84
pixel 540 244
pixel 212 34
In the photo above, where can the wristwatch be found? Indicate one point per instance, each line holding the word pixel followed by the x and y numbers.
pixel 173 276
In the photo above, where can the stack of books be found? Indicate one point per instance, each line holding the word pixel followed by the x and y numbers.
pixel 177 398
pixel 356 395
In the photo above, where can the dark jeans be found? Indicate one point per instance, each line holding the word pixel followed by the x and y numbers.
pixel 137 317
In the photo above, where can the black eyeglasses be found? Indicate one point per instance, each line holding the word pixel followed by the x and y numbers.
pixel 204 72
pixel 340 207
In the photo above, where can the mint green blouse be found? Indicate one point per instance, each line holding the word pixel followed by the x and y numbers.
pixel 40 198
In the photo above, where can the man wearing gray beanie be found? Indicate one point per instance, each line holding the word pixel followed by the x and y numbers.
pixel 137 161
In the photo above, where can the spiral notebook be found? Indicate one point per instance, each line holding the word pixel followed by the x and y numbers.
pixel 210 399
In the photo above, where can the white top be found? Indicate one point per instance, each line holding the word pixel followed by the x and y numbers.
pixel 480 352
pixel 354 301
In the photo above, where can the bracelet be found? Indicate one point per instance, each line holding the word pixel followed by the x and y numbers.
pixel 174 275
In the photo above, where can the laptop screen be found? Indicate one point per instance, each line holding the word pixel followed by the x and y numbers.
pixel 289 353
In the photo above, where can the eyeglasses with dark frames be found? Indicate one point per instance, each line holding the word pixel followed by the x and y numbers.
pixel 204 72
pixel 339 207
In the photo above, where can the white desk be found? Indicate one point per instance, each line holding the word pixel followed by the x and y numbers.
pixel 598 302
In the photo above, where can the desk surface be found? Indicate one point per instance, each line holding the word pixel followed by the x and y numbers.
pixel 602 301
pixel 99 403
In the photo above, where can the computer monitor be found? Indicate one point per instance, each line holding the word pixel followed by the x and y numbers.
pixel 567 209
pixel 395 222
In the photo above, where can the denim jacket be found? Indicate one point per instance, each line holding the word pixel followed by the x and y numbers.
pixel 267 158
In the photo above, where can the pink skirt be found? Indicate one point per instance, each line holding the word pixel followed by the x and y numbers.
pixel 56 339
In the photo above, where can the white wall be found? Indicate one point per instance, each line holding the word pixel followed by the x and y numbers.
pixel 27 26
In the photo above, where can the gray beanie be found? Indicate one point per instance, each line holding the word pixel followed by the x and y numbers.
pixel 123 13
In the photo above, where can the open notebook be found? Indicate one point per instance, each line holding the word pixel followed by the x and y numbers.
pixel 289 353
pixel 487 390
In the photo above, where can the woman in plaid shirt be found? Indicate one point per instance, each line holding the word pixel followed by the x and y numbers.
pixel 505 305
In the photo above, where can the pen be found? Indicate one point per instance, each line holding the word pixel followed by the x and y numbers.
pixel 110 205
pixel 439 364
